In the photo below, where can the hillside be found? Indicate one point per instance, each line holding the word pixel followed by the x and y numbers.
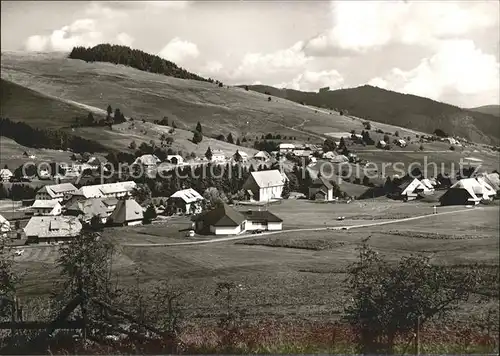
pixel 488 109
pixel 398 109
pixel 149 96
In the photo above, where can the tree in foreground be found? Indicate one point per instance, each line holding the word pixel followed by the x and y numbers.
pixel 285 194
pixel 395 300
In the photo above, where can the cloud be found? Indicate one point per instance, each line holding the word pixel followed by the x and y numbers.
pixel 458 71
pixel 211 67
pixel 125 39
pixel 99 26
pixel 312 81
pixel 178 50
pixel 359 26
pixel 81 32
pixel 260 65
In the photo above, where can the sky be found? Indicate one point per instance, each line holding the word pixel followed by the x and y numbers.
pixel 444 50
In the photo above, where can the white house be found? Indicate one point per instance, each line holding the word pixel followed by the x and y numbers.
pixel 286 147
pixel 5 174
pixel 411 189
pixel 108 190
pixel 52 228
pixel 329 155
pixel 262 220
pixel 381 144
pixel 400 142
pixel 243 156
pixel 218 156
pixel 187 201
pixel 261 156
pixel 55 192
pixel 46 207
pixel 224 220
pixel 264 185
pixel 468 191
pixel 4 226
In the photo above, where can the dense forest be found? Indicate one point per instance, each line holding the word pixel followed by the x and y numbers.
pixel 132 58
pixel 28 136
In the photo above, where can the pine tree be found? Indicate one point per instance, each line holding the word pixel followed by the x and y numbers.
pixel 230 138
pixel 237 156
pixel 238 142
pixel 109 110
pixel 285 194
pixel 341 143
pixel 197 137
pixel 208 154
pixel 198 127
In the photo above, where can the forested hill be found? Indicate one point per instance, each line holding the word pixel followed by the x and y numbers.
pixel 133 58
pixel 404 110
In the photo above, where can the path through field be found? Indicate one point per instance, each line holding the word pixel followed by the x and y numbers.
pixel 233 238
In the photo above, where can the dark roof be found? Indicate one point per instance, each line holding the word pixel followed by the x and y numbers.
pixel 223 215
pixel 260 215
pixel 320 182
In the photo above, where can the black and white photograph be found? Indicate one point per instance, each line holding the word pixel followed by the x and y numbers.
pixel 249 177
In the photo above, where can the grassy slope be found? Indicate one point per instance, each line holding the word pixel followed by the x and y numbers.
pixel 77 86
pixel 399 109
pixel 150 96
pixel 488 109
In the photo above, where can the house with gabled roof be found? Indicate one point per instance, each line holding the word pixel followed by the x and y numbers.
pixel 185 201
pixel 468 191
pixel 56 191
pixel 261 156
pixel 127 213
pixel 321 189
pixel 264 185
pixel 4 226
pixel 46 207
pixel 49 229
pixel 5 174
pixel 108 190
pixel 410 189
pixel 85 210
pixel 286 147
pixel 222 220
pixel 225 220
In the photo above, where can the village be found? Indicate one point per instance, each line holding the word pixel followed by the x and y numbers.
pixel 59 211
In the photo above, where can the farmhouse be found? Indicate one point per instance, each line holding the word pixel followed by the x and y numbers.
pixel 329 155
pixel 302 153
pixel 85 210
pixel 262 220
pixel 218 156
pixel 55 192
pixel 261 156
pixel 46 207
pixel 429 183
pixel 321 189
pixel 469 191
pixel 4 226
pixel 243 156
pixel 286 147
pixel 411 189
pixel 186 201
pixel 5 174
pixel 174 159
pixel 109 190
pixel 52 229
pixel 264 185
pixel 147 160
pixel 224 220
pixel 127 213
pixel 400 142
pixel 381 144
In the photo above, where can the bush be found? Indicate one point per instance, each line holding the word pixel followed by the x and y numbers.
pixel 452 148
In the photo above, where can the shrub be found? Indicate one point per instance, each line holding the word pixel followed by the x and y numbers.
pixel 452 148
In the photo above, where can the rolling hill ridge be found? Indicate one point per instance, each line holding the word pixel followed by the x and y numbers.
pixel 398 109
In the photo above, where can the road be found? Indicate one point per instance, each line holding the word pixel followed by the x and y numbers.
pixel 242 237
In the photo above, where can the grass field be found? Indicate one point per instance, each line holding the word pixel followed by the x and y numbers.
pixel 292 274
